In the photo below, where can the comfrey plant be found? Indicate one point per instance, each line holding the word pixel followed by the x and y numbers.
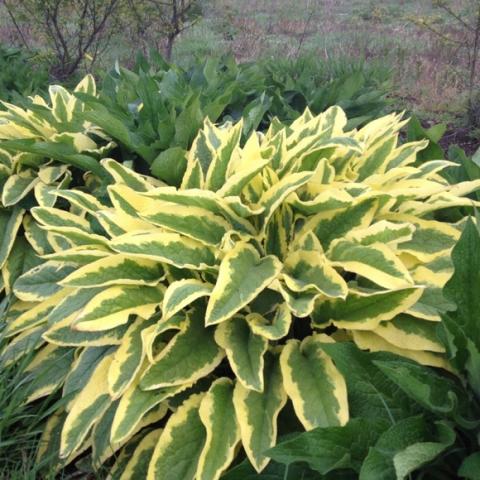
pixel 179 322
pixel 42 148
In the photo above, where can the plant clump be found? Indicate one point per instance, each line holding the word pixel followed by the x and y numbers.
pixel 166 313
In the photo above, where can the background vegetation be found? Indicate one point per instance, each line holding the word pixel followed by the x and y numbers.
pixel 429 46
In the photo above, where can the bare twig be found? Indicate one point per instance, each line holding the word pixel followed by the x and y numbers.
pixel 473 64
pixel 305 29
pixel 454 15
pixel 16 25
pixel 54 19
pixel 438 33
pixel 169 18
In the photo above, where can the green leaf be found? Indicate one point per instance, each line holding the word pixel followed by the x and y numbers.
pixel 133 407
pixel 433 134
pixel 242 276
pixel 245 351
pixel 102 448
pixel 415 333
pixel 274 328
pixel 36 236
pixel 371 394
pixel 128 358
pixel 113 306
pixel 9 224
pixel 254 112
pixel 124 457
pixel 166 247
pixel 23 344
pixel 61 152
pixel 275 195
pixel 228 142
pixel 461 329
pixel 406 446
pixel 72 303
pixel 115 270
pixel 170 166
pixel 336 227
pixel 377 263
pixel 41 282
pixel 311 270
pixel 365 311
pixel 180 445
pixel 126 176
pixel 466 261
pixel 435 392
pixel 137 466
pixel 216 411
pixel 18 186
pixel 63 334
pixel 273 471
pixel 330 448
pixel 313 383
pixel 428 243
pixel 470 467
pixel 21 259
pixel 82 368
pixel 182 293
pixel 190 355
pixel 188 123
pixel 194 222
pixel 54 217
pixel 89 405
pixel 47 371
pixel 115 128
pixel 257 413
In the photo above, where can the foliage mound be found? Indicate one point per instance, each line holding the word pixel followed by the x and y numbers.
pixel 160 107
pixel 165 314
pixel 154 111
pixel 21 74
pixel 149 118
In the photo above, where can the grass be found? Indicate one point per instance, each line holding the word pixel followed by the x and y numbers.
pixel 21 424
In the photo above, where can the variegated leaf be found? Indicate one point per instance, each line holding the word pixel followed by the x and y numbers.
pixel 313 383
pixel 242 276
pixel 245 351
pixel 180 445
pixel 257 413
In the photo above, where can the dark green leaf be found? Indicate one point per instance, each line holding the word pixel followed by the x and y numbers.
pixel 437 393
pixel 170 165
pixel 460 330
pixel 406 446
pixel 371 394
pixel 470 467
pixel 327 449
